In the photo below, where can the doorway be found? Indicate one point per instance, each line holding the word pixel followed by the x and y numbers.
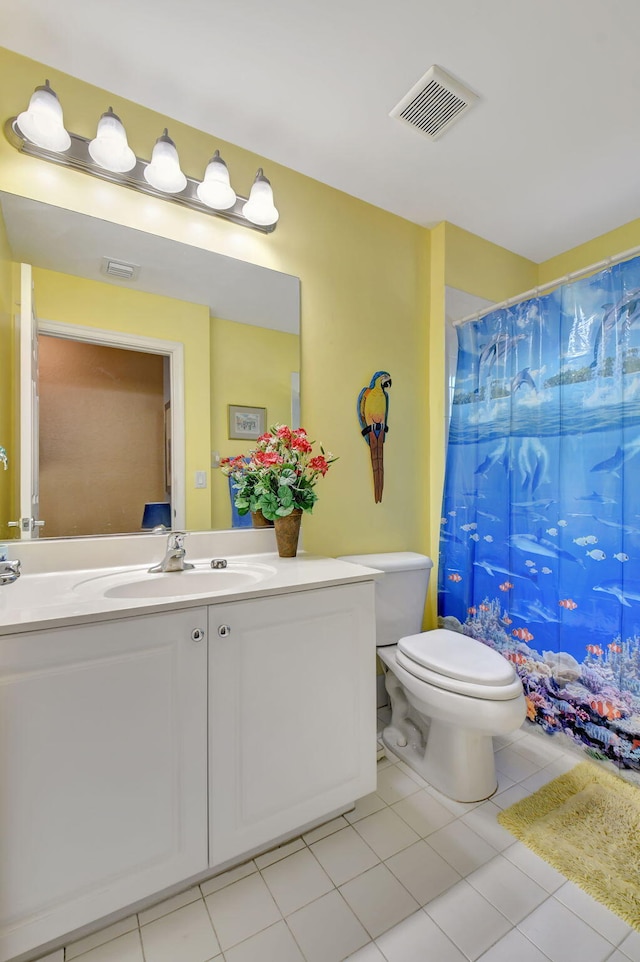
pixel 102 436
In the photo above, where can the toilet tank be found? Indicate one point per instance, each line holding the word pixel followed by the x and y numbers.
pixel 400 595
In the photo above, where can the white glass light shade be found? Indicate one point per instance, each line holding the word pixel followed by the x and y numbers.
pixel 41 122
pixel 164 172
pixel 110 149
pixel 260 208
pixel 215 190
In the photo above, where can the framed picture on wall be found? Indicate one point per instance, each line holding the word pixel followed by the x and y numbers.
pixel 245 423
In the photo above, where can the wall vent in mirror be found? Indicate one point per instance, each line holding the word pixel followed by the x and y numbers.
pixel 40 132
pixel 114 268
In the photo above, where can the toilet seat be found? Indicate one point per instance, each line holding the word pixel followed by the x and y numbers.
pixel 457 663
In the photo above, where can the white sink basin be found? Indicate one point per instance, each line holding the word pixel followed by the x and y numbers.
pixel 140 583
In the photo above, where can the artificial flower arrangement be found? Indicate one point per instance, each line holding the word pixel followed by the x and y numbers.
pixel 279 475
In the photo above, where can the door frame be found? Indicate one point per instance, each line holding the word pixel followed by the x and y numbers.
pixel 174 350
pixel 28 481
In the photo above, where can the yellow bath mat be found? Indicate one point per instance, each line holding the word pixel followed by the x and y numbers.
pixel 587 825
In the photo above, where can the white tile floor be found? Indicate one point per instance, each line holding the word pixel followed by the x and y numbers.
pixel 408 876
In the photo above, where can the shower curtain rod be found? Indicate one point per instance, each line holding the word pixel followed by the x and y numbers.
pixel 600 265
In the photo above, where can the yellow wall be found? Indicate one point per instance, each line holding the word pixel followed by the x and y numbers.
pixel 6 353
pixel 74 300
pixel 364 292
pixel 436 415
pixel 487 270
pixel 260 377
pixel 606 245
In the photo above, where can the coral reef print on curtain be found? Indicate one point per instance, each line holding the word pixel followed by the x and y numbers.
pixel 540 544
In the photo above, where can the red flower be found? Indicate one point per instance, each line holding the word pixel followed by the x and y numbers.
pixel 265 459
pixel 301 444
pixel 319 463
pixel 284 433
pixel 265 438
pixel 229 465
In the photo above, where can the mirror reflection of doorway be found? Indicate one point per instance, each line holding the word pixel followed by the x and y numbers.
pixel 102 436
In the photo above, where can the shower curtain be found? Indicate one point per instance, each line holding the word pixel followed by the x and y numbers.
pixel 540 528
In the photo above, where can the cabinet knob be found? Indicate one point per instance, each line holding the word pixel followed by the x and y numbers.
pixel 197 634
pixel 224 630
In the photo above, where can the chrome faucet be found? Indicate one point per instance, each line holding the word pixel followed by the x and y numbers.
pixel 9 572
pixel 174 558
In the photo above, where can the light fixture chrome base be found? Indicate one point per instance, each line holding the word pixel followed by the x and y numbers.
pixel 78 158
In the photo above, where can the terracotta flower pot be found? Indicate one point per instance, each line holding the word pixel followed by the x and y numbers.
pixel 259 520
pixel 287 533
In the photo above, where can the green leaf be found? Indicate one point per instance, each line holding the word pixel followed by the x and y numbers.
pixel 285 496
pixel 268 504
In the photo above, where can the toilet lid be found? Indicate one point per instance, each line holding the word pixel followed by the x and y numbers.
pixel 455 655
pixel 469 688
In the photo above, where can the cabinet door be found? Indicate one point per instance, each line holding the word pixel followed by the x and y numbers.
pixel 103 759
pixel 292 713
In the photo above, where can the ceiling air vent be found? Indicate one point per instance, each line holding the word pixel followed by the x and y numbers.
pixel 119 269
pixel 434 103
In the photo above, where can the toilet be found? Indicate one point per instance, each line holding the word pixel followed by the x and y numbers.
pixel 450 694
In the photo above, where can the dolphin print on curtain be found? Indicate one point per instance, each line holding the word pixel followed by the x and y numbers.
pixel 540 528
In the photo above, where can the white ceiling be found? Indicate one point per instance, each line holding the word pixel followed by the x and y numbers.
pixel 546 160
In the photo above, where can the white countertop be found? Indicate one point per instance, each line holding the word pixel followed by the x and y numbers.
pixel 55 598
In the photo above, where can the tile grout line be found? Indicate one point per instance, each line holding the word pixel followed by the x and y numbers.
pixel 586 921
pixel 292 933
pixel 215 931
pixel 144 955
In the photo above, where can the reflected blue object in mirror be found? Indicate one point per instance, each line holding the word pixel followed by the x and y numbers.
pixel 156 513
pixel 238 520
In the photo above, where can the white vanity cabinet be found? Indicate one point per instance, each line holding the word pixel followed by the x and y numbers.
pixel 103 760
pixel 139 753
pixel 291 713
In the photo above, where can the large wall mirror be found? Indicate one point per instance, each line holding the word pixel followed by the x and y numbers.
pixel 140 347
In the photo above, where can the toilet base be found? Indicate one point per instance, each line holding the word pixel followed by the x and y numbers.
pixel 456 762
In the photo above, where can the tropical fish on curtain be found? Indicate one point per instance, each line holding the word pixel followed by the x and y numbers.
pixel 540 528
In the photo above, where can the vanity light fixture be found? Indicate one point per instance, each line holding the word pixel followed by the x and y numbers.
pixel 110 148
pixel 42 122
pixel 39 132
pixel 260 208
pixel 215 190
pixel 164 172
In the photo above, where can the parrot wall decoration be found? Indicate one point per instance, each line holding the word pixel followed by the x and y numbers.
pixel 373 415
